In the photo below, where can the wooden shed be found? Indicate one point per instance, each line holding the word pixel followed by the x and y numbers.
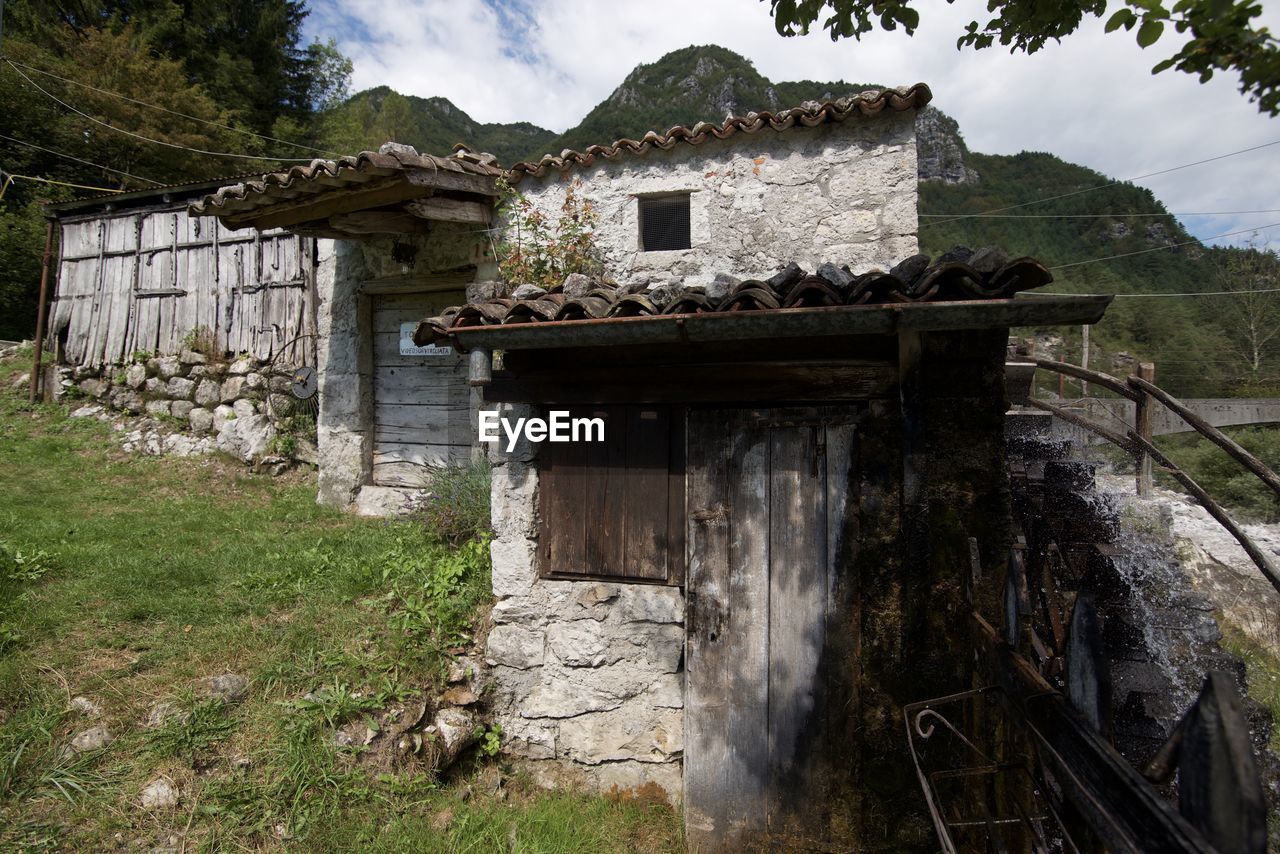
pixel 137 274
pixel 793 472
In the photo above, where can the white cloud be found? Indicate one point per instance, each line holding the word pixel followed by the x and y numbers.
pixel 1090 100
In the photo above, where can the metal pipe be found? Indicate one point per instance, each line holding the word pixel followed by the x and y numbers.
pixel 40 310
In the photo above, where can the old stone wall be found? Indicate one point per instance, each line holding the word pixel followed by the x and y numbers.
pixel 210 404
pixel 844 193
pixel 589 683
pixel 345 355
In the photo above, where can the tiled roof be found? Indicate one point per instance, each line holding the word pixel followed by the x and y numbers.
pixel 959 275
pixel 352 171
pixel 810 114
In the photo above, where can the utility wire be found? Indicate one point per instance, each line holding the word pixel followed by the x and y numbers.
pixel 1146 296
pixel 10 177
pixel 169 111
pixel 80 160
pixel 96 121
pixel 955 217
pixel 1166 246
pixel 1098 215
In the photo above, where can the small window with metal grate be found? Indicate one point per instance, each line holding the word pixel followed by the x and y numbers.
pixel 664 223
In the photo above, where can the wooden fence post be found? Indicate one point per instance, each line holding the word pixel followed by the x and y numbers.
pixel 1142 426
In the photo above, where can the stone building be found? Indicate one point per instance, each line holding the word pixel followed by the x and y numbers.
pixel 401 235
pixel 718 598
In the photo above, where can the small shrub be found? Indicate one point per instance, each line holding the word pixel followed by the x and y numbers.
pixel 536 251
pixel 201 339
pixel 459 506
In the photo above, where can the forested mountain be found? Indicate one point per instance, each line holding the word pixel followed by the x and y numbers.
pixel 152 51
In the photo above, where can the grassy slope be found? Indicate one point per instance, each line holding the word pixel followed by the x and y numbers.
pixel 138 576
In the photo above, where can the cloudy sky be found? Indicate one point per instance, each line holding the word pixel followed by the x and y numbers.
pixel 1091 100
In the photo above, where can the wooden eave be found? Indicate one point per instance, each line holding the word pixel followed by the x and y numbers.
pixel 358 204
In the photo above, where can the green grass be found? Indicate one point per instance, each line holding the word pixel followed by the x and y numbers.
pixel 128 579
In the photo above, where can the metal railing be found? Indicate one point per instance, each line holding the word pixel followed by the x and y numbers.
pixel 1138 441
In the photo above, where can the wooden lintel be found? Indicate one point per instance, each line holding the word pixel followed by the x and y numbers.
pixel 324 205
pixel 447 179
pixel 323 229
pixel 379 222
pixel 451 210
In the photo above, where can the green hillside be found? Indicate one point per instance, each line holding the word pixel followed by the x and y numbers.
pixel 374 116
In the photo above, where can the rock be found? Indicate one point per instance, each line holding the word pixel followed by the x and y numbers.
pixel 164 712
pixel 94 387
pixel 232 388
pixel 240 367
pixel 462 670
pixel 22 380
pixel 127 401
pixel 94 738
pixel 956 253
pixel 456 730
pixel 191 357
pixel 229 687
pixel 87 412
pixel 180 388
pixel 181 408
pixel 244 408
pixel 201 419
pixel 221 416
pixel 83 372
pixel 154 386
pixel 255 382
pixel 459 697
pixel 578 285
pixel 721 287
pixel 168 367
pixel 158 407
pixel 160 793
pixel 85 706
pixel 635 286
pixel 305 451
pixel 910 269
pixel 988 259
pixel 579 644
pixel 208 393
pixel 482 291
pixel 135 376
pixel 527 292
pixel 786 278
pixel 839 277
pixel 514 646
pixel 663 295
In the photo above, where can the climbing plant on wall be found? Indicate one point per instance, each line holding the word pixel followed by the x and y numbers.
pixel 537 250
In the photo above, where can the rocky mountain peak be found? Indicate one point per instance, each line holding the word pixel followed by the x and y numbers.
pixel 940 149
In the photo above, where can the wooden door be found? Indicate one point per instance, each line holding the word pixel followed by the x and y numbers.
pixel 420 394
pixel 772 626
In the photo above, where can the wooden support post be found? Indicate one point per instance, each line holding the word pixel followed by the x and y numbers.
pixel 1084 358
pixel 40 311
pixel 1142 426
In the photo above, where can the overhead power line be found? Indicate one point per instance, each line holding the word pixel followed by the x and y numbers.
pixel 171 112
pixel 953 218
pixel 97 121
pixel 80 160
pixel 9 177
pixel 1113 214
pixel 1166 246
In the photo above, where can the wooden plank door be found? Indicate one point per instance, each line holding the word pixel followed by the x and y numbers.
pixel 770 757
pixel 420 395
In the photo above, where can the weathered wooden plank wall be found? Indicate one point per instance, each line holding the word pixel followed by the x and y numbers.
pixel 145 279
pixel 421 403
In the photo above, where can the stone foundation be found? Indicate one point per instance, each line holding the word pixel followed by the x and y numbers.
pixel 220 405
pixel 588 676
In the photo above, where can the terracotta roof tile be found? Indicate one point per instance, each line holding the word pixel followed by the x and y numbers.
pixel 917 280
pixel 811 114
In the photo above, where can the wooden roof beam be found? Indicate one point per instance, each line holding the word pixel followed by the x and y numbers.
pixel 451 210
pixel 379 222
pixel 325 205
